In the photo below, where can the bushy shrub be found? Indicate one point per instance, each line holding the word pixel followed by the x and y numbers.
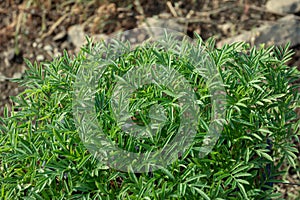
pixel 43 157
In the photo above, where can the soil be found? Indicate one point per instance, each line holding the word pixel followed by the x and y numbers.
pixel 37 30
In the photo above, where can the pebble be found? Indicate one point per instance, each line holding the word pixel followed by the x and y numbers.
pixel 283 6
pixel 286 29
pixel 100 37
pixel 76 35
pixel 57 53
pixel 34 44
pixel 155 21
pixel 10 54
pixel 17 75
pixel 48 48
pixel 40 58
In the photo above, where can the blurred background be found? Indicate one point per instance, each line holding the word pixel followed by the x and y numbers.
pixel 40 30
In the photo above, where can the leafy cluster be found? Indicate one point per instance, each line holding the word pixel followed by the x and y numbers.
pixel 43 157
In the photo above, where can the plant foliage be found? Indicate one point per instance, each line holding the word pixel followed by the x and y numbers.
pixel 43 157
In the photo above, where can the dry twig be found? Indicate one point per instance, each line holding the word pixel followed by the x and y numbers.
pixel 172 9
pixel 54 26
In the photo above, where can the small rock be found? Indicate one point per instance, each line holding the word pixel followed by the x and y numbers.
pixel 48 48
pixel 23 69
pixel 76 36
pixel 286 29
pixel 162 23
pixel 17 75
pixel 283 6
pixel 10 54
pixel 34 44
pixel 100 37
pixel 154 27
pixel 40 57
pixel 38 40
pixel 57 53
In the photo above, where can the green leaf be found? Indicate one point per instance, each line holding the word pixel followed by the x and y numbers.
pixel 241 187
pixel 265 155
pixel 265 131
pixel 203 194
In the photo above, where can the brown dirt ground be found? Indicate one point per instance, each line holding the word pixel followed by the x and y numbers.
pixel 37 28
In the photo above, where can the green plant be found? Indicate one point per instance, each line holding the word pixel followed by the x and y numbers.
pixel 43 157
